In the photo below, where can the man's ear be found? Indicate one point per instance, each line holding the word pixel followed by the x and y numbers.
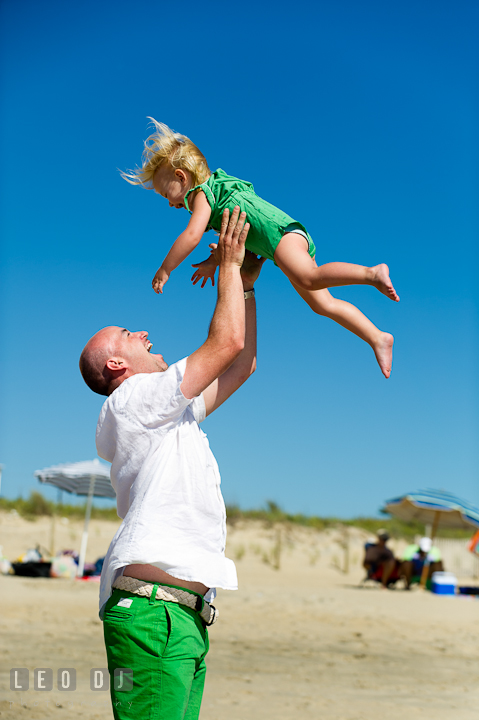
pixel 114 364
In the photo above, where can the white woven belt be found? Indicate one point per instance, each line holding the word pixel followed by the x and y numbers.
pixel 169 594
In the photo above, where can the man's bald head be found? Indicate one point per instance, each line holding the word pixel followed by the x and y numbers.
pixel 115 354
pixel 93 361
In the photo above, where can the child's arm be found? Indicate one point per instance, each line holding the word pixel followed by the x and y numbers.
pixel 185 243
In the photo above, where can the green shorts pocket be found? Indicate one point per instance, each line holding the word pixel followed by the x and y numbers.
pixel 118 617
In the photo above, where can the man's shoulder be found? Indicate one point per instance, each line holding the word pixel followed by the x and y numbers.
pixel 172 374
pixel 378 553
pixel 141 386
pixel 410 551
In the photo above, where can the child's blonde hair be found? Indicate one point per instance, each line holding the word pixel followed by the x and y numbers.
pixel 165 147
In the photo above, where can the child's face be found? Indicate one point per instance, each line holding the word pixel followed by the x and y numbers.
pixel 172 184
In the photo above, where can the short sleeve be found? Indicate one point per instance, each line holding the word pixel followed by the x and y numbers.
pixel 155 399
pixel 208 194
pixel 409 552
pixel 199 408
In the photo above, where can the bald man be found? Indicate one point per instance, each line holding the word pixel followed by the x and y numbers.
pixel 167 558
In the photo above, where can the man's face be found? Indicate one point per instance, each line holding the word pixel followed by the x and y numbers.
pixel 132 349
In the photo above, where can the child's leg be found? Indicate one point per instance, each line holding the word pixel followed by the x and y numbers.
pixel 292 257
pixel 347 315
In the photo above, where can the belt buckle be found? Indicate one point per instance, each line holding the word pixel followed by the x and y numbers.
pixel 213 616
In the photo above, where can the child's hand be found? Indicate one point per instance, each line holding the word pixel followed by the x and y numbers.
pixel 160 279
pixel 206 269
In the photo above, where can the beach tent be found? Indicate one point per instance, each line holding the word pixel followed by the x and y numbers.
pixel 436 508
pixel 90 478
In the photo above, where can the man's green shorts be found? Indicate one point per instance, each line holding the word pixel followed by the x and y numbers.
pixel 164 644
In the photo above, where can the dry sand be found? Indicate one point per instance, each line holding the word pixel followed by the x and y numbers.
pixel 301 640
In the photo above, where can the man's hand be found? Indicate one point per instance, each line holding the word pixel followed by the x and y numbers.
pixel 160 279
pixel 231 250
pixel 251 269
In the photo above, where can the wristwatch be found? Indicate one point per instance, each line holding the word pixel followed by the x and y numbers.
pixel 248 294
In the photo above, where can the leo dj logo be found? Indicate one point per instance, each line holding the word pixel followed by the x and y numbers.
pixel 66 679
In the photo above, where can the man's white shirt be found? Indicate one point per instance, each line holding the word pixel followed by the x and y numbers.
pixel 167 483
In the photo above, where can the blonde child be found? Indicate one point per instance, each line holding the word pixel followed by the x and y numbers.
pixel 176 169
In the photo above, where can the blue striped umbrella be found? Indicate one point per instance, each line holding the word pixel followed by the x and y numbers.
pixel 434 507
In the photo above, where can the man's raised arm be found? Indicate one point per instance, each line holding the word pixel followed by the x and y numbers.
pixel 245 364
pixel 226 336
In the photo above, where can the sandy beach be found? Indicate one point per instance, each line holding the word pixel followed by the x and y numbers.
pixel 299 638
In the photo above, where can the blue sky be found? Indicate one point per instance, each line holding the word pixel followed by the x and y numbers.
pixel 359 120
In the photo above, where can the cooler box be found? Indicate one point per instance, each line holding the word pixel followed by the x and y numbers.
pixel 443 583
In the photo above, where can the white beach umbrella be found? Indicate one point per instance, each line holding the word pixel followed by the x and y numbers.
pixel 90 478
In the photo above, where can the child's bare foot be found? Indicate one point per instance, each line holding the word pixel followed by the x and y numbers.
pixel 383 349
pixel 382 281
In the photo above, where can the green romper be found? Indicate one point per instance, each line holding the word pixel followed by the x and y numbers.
pixel 268 224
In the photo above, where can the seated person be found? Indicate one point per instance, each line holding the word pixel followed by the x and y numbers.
pixel 414 558
pixel 379 561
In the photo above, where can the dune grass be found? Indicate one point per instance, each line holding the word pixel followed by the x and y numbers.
pixel 36 505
